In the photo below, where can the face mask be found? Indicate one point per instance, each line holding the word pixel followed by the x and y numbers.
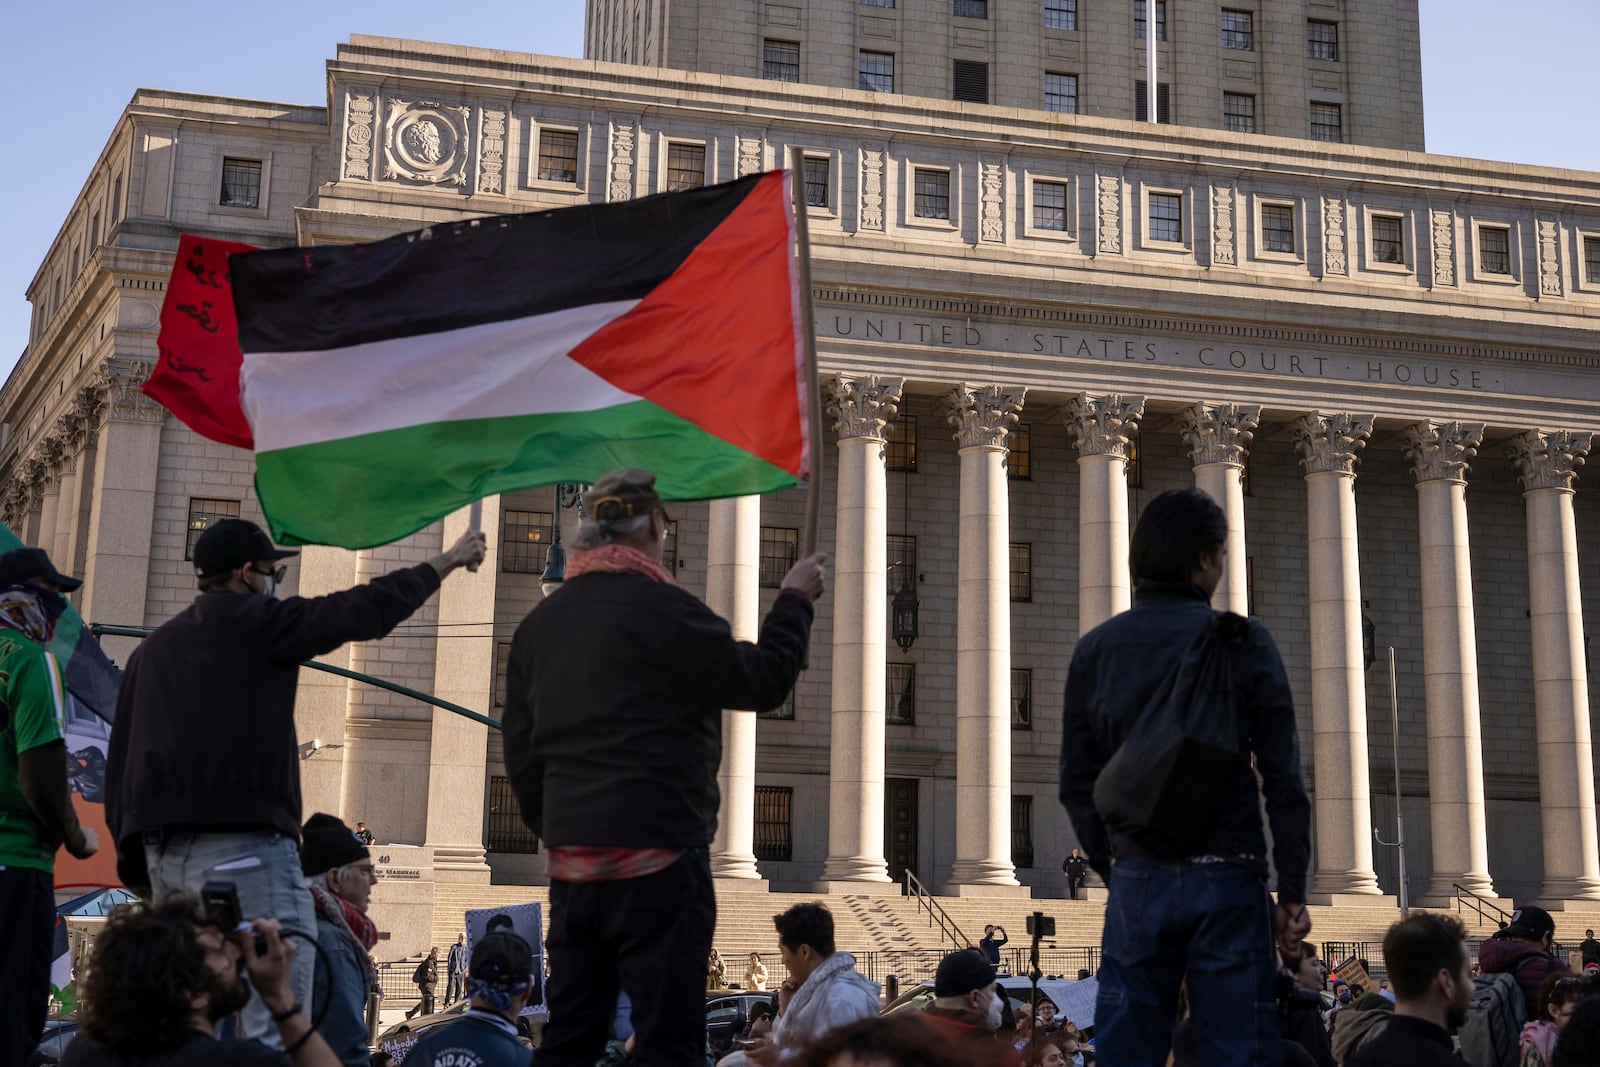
pixel 1077 1059
pixel 269 584
pixel 996 1013
pixel 53 604
pixel 1344 998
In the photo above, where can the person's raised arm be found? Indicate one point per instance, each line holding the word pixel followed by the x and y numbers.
pixel 269 973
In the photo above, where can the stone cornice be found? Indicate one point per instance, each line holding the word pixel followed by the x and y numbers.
pixel 1102 425
pixel 1548 459
pixel 983 415
pixel 1441 451
pixel 862 407
pixel 1219 433
pixel 1329 443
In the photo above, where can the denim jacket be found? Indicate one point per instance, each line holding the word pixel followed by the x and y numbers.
pixel 1116 668
pixel 339 997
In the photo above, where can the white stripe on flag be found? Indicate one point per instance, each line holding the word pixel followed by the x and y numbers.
pixel 492 370
pixel 54 673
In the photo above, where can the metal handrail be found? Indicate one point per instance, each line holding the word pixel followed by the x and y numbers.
pixel 109 630
pixel 937 916
pixel 1478 904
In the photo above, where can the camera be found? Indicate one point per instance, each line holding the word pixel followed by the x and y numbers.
pixel 1041 925
pixel 221 903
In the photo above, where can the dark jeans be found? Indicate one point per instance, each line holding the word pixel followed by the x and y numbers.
pixel 424 1005
pixel 1211 922
pixel 650 936
pixel 454 989
pixel 27 937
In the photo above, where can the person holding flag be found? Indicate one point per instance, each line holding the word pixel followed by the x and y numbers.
pixel 203 773
pixel 36 813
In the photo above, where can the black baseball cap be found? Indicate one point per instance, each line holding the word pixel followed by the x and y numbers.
pixel 1531 922
pixel 230 543
pixel 502 958
pixel 23 564
pixel 962 972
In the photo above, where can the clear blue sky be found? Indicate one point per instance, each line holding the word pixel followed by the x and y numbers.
pixel 1510 82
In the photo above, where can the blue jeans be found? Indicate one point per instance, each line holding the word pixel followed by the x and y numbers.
pixel 265 868
pixel 1210 923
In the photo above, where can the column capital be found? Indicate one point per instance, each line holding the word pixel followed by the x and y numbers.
pixel 1548 459
pixel 1329 443
pixel 1103 424
pixel 982 415
pixel 89 406
pixel 1219 433
pixel 121 381
pixel 1440 451
pixel 862 407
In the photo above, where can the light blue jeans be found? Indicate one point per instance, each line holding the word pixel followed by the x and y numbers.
pixel 264 866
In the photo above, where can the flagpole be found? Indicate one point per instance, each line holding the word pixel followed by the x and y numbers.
pixel 797 182
pixel 474 523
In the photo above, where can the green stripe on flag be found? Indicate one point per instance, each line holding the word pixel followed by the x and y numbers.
pixel 372 489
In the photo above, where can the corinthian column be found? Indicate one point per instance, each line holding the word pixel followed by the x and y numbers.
pixel 1547 463
pixel 1328 445
pixel 732 580
pixel 1439 453
pixel 1102 426
pixel 860 407
pixel 1218 436
pixel 981 418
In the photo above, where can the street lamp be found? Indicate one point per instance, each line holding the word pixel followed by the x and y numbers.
pixel 568 495
pixel 1399 843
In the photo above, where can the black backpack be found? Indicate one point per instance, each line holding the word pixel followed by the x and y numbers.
pixel 1162 786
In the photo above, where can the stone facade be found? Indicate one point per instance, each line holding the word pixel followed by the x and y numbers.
pixel 1101 341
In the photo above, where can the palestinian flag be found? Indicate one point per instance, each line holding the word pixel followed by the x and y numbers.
pixel 87 673
pixel 390 384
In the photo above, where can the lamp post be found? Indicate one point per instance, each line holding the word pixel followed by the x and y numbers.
pixel 568 495
pixel 1399 843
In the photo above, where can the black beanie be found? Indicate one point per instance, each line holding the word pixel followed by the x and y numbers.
pixel 326 843
pixel 961 972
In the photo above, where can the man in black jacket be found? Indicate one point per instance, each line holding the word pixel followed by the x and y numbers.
pixel 1431 972
pixel 1206 915
pixel 613 732
pixel 203 772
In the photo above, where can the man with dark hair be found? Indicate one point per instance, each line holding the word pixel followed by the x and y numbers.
pixel 500 980
pixel 989 945
pixel 1589 948
pixel 426 977
pixel 203 772
pixel 1431 972
pixel 1205 915
pixel 1522 950
pixel 615 692
pixel 159 980
pixel 36 813
pixel 822 993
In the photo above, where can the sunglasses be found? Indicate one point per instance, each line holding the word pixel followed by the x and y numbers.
pixel 275 573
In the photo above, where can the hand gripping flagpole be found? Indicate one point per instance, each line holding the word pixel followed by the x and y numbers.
pixel 474 524
pixel 797 184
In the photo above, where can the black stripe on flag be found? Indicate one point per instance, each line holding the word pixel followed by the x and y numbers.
pixel 460 274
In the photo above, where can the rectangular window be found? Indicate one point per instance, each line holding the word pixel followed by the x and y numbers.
pixel 1022 831
pixel 780 61
pixel 1238 31
pixel 1135 461
pixel 1021 698
pixel 972 9
pixel 116 200
pixel 558 156
pixel 1591 259
pixel 504 830
pixel 1139 20
pixel 1277 228
pixel 900 450
pixel 1494 249
pixel 1327 123
pixel 497 685
pixel 901 708
pixel 902 555
pixel 1061 14
pixel 1021 570
pixel 241 182
pixel 875 72
pixel 1061 93
pixel 877 3
pixel 969 81
pixel 524 541
pixel 1322 39
pixel 669 547
pixel 1049 213
pixel 774 840
pixel 94 232
pixel 780 547
pixel 782 711
pixel 932 193
pixel 816 178
pixel 1239 112
pixel 1166 217
pixel 1388 239
pixel 1019 445
pixel 203 511
pixel 686 166
pixel 1141 102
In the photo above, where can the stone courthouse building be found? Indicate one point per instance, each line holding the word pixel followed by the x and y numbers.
pixel 1033 313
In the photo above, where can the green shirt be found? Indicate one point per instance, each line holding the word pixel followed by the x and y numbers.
pixel 31 714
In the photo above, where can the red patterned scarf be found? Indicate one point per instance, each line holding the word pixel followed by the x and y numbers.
pixel 617 559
